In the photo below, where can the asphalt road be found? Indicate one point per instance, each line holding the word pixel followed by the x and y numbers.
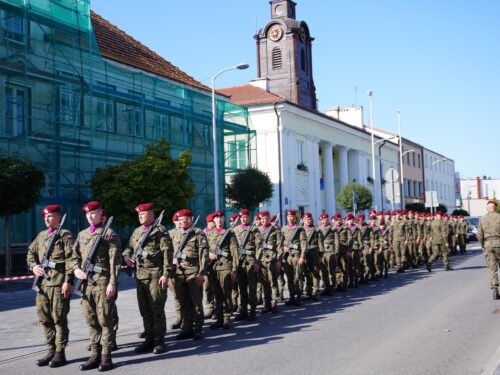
pixel 412 323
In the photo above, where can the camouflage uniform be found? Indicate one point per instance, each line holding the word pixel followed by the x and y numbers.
pixel 296 250
pixel 411 236
pixel 328 259
pixel 462 235
pixel 355 247
pixel 439 233
pixel 150 296
pixel 314 250
pixel 382 243
pixel 398 240
pixel 191 263
pixel 344 271
pixel 269 251
pixel 367 241
pixel 51 307
pixel 488 232
pixel 96 307
pixel 177 304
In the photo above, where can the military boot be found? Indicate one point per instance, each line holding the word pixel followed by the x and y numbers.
pixel 44 361
pixel 496 296
pixel 226 324
pixel 429 266
pixel 146 347
pixel 290 302
pixel 197 335
pixel 252 316
pixel 177 324
pixel 218 324
pixel 114 347
pixel 241 316
pixel 274 309
pixel 58 360
pixel 209 313
pixel 184 335
pixel 160 347
pixel 92 363
pixel 89 348
pixel 448 268
pixel 142 335
pixel 106 363
pixel 266 309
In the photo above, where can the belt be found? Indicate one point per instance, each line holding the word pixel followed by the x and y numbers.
pixel 247 252
pixel 294 246
pixel 222 253
pixel 312 248
pixel 187 259
pixel 294 252
pixel 267 247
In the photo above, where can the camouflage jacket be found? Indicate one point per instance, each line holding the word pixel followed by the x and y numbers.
pixel 398 231
pixel 330 238
pixel 439 232
pixel 299 244
pixel 271 246
pixel 227 258
pixel 354 238
pixel 192 259
pixel 314 241
pixel 488 231
pixel 254 239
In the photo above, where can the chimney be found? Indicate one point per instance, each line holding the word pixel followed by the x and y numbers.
pixel 261 83
pixel 478 184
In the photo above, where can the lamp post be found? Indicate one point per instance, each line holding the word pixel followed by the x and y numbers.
pixel 214 133
pixel 432 168
pixel 370 95
pixel 403 202
pixel 380 166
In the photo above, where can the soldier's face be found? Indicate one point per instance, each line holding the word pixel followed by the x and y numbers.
pixel 292 219
pixel 245 219
pixel 146 217
pixel 185 221
pixel 210 225
pixel 491 207
pixel 52 220
pixel 94 217
pixel 219 221
pixel 382 226
pixel 264 220
pixel 324 221
pixel 308 221
pixel 177 224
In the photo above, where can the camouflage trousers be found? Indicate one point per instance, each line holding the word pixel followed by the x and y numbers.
pixel 209 294
pixel 269 281
pixel 328 266
pixel 98 313
pixel 382 260
pixel 151 299
pixel 439 249
pixel 247 281
pixel 177 304
pixel 312 273
pixel 369 260
pixel 357 267
pixel 493 262
pixel 462 242
pixel 399 248
pixel 190 295
pixel 223 289
pixel 52 310
pixel 344 269
pixel 293 272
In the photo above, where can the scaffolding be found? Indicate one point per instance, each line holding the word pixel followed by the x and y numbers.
pixel 71 110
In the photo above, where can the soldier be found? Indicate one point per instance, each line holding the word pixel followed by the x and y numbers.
pixel 52 301
pixel 98 299
pixel 224 258
pixel 382 244
pixel 207 286
pixel 268 256
pixel 249 239
pixel 189 262
pixel 439 233
pixel 488 233
pixel 151 273
pixel 328 259
pixel 281 272
pixel 344 256
pixel 399 241
pixel 367 238
pixel 235 296
pixel 178 319
pixel 294 255
pixel 411 236
pixel 427 235
pixel 462 233
pixel 314 250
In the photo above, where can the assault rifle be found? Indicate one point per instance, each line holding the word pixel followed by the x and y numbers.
pixel 178 255
pixel 218 251
pixel 139 252
pixel 89 267
pixel 242 252
pixel 46 263
pixel 289 244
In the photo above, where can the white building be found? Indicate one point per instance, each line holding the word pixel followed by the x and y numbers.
pixel 475 193
pixel 439 175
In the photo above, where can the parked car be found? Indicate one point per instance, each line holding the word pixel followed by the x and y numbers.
pixel 471 233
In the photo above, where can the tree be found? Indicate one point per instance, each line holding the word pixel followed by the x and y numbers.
pixel 417 207
pixel 21 183
pixel 461 212
pixel 155 177
pixel 248 188
pixel 364 197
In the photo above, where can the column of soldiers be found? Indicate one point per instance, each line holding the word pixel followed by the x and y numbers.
pixel 236 268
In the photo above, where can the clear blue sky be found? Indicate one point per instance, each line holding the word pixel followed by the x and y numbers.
pixel 437 61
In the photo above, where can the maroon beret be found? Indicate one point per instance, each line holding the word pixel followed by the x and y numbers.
pixel 209 218
pixel 218 213
pixel 175 217
pixel 91 206
pixel 144 207
pixel 379 213
pixel 336 216
pixel 492 202
pixel 263 213
pixel 381 222
pixel 50 209
pixel 244 212
pixel 323 216
pixel 373 217
pixel 440 213
pixel 361 216
pixel 349 216
pixel 291 212
pixel 404 212
pixel 184 212
pixel 233 217
pixel 308 214
pixel 273 218
pixel 387 213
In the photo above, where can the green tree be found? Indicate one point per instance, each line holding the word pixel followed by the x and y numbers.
pixel 364 197
pixel 248 188
pixel 155 177
pixel 21 183
pixel 461 212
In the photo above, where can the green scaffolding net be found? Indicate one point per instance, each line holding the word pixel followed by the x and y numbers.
pixel 71 108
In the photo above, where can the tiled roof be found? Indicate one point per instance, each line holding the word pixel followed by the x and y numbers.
pixel 249 95
pixel 115 44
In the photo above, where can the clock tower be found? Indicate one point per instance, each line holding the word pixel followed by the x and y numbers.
pixel 284 55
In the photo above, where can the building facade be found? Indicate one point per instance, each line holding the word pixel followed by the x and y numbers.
pixel 439 174
pixel 475 192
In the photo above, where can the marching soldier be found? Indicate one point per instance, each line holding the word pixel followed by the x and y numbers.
pixel 411 237
pixel 189 262
pixel 355 246
pixel 224 257
pixel 249 239
pixel 268 258
pixel 367 238
pixel 462 233
pixel 151 272
pixel 314 250
pixel 52 301
pixel 439 233
pixel 383 249
pixel 281 271
pixel 328 259
pixel 235 296
pixel 399 242
pixel 98 298
pixel 294 255
pixel 488 233
pixel 178 319
pixel 207 286
pixel 344 256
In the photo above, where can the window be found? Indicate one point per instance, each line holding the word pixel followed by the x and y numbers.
pixel 427 160
pixel 408 188
pixel 413 158
pixel 105 116
pixel 418 158
pixel 69 103
pixel 300 152
pixel 415 189
pixel 161 125
pixel 408 158
pixel 303 60
pixel 17 110
pixel 276 58
pixel 134 121
pixel 237 154
pixel 420 189
pixel 14 28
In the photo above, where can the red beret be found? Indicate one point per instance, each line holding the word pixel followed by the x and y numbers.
pixel 184 212
pixel 492 202
pixel 411 212
pixel 50 209
pixel 373 212
pixel 233 217
pixel 308 214
pixel 361 216
pixel 91 206
pixel 291 212
pixel 349 216
pixel 387 213
pixel 209 218
pixel 175 217
pixel 323 216
pixel 356 220
pixel 460 216
pixel 336 216
pixel 263 213
pixel 394 213
pixel 218 213
pixel 382 222
pixel 373 217
pixel 404 212
pixel 244 212
pixel 440 213
pixel 144 207
pixel 379 213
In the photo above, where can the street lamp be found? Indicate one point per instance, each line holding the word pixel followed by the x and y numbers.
pixel 432 191
pixel 370 95
pixel 214 132
pixel 380 166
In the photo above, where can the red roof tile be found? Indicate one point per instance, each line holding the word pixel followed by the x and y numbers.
pixel 249 95
pixel 115 44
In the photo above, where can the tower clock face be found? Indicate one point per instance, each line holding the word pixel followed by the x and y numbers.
pixel 279 10
pixel 275 33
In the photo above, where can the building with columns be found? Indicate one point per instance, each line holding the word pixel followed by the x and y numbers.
pixel 439 174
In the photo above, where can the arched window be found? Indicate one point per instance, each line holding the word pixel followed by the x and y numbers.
pixel 303 60
pixel 276 58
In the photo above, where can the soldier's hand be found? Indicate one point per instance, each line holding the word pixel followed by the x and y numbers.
pixel 301 260
pixel 212 256
pixel 66 290
pixel 278 265
pixel 256 267
pixel 233 276
pixel 110 290
pixel 80 274
pixel 162 282
pixel 128 260
pixel 200 279
pixel 38 271
pixel 174 261
pixel 285 249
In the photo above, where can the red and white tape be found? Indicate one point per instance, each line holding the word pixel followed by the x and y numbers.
pixel 16 278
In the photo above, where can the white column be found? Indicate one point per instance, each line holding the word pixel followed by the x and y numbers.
pixel 343 166
pixel 329 178
pixel 316 207
pixel 290 169
pixel 311 166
